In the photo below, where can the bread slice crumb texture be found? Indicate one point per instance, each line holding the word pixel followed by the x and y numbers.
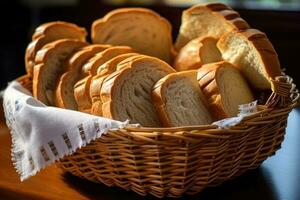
pixel 126 94
pixel 179 100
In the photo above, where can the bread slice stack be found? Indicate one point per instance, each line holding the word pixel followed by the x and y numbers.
pixel 82 87
pixel 203 20
pixel 50 64
pixel 50 32
pixel 197 52
pixel 225 89
pixel 140 28
pixel 126 93
pixel 179 100
pixel 64 93
pixel 97 81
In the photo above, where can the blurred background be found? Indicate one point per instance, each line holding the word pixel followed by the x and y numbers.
pixel 279 19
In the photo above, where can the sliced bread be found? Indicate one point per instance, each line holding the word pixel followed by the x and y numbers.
pixel 252 52
pixel 64 93
pixel 179 101
pixel 211 19
pixel 59 29
pixel 50 32
pixel 82 87
pixel 140 28
pixel 50 62
pixel 126 93
pixel 197 52
pixel 225 89
pixel 97 81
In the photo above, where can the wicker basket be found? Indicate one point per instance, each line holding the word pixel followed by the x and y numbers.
pixel 173 161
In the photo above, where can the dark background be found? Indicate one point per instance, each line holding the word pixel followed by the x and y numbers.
pixel 19 18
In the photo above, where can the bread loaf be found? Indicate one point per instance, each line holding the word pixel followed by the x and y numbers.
pixel 252 52
pixel 50 65
pixel 50 32
pixel 212 19
pixel 126 93
pixel 64 93
pixel 197 52
pixel 140 28
pixel 225 89
pixel 179 101
pixel 82 87
pixel 96 83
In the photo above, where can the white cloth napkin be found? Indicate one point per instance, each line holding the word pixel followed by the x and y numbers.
pixel 244 110
pixel 42 134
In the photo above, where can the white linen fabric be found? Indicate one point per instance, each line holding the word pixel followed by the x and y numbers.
pixel 42 134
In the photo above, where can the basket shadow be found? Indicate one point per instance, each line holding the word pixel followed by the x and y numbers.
pixel 255 184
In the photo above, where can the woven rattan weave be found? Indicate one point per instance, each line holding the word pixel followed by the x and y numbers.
pixel 174 161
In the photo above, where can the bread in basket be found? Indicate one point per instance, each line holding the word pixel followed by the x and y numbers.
pixel 172 161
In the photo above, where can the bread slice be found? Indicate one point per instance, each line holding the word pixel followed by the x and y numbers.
pixel 82 87
pixel 59 29
pixel 97 81
pixel 179 101
pixel 225 89
pixel 252 52
pixel 126 93
pixel 140 28
pixel 50 65
pixel 211 19
pixel 197 52
pixel 64 93
pixel 50 32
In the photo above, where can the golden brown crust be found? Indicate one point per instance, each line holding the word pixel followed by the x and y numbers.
pixel 73 74
pixel 38 69
pixel 190 56
pixel 80 57
pixel 108 87
pixel 95 88
pixel 110 66
pixel 97 81
pixel 265 49
pixel 107 92
pixel 81 89
pixel 207 80
pixel 222 11
pixel 208 77
pixel 30 53
pixel 158 95
pixel 60 88
pixel 50 48
pixel 47 33
pixel 215 6
pixel 96 61
pixel 98 24
pixel 60 26
pixel 42 58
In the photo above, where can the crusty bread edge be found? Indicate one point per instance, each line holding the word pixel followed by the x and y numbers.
pixel 44 28
pixel 207 80
pixel 265 49
pixel 107 90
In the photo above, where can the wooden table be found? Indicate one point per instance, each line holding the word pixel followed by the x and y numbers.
pixel 278 178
